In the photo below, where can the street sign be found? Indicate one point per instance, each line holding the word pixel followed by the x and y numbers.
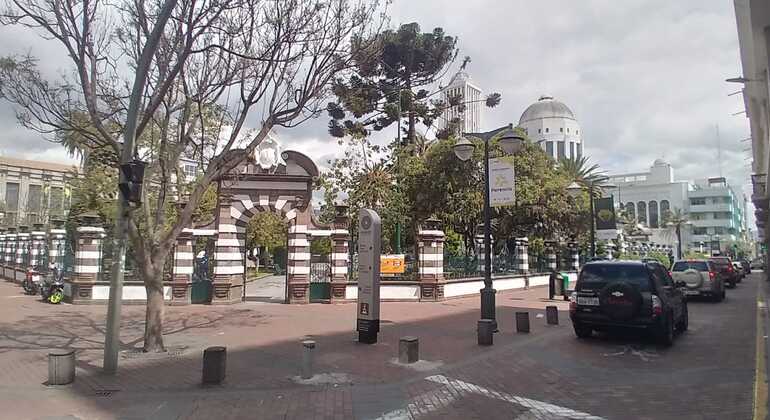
pixel 369 249
pixel 605 214
pixel 502 182
pixel 392 264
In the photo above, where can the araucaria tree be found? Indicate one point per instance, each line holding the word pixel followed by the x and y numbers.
pixel 156 74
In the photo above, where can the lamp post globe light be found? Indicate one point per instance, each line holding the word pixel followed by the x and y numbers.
pixel 511 143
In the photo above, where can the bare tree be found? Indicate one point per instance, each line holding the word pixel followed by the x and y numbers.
pixel 180 78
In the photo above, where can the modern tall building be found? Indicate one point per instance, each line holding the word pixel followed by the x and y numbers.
pixel 33 191
pixel 471 112
pixel 716 212
pixel 552 124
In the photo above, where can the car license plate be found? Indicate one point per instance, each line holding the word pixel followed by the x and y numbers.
pixel 588 301
pixel 691 292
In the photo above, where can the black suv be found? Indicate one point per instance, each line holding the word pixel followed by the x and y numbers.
pixel 628 294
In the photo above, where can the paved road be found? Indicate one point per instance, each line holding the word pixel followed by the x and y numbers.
pixel 267 289
pixel 548 374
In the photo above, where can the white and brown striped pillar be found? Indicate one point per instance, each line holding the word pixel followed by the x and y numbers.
pixel 522 255
pixel 298 262
pixel 3 239
pixel 430 248
pixel 181 280
pixel 22 248
pixel 575 256
pixel 481 252
pixel 88 263
pixel 340 238
pixel 228 257
pixel 10 255
pixel 56 245
pixel 550 255
pixel 37 250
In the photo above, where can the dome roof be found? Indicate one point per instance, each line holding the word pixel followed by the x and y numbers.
pixel 660 162
pixel 546 107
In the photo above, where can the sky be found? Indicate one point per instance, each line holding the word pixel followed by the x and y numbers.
pixel 644 78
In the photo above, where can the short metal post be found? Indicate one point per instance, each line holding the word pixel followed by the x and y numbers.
pixel 214 365
pixel 408 349
pixel 486 328
pixel 522 322
pixel 307 358
pixel 552 315
pixel 61 367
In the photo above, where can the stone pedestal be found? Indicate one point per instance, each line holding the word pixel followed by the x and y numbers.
pixel 181 278
pixel 430 248
pixel 298 264
pixel 88 263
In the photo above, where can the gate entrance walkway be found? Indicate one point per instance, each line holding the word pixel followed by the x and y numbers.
pixel 271 289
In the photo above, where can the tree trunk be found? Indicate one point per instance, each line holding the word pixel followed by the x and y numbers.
pixel 153 329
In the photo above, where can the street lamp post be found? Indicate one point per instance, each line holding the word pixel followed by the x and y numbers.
pixel 511 143
pixel 591 186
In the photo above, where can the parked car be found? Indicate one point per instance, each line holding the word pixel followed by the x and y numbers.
pixel 700 278
pixel 628 295
pixel 725 269
pixel 746 266
pixel 758 264
pixel 739 271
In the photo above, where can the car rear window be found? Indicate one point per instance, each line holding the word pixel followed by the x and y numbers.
pixel 720 262
pixel 594 277
pixel 685 265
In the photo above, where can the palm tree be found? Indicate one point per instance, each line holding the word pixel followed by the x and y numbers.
pixel 675 220
pixel 580 170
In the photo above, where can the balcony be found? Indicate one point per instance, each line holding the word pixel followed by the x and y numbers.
pixel 726 223
pixel 706 208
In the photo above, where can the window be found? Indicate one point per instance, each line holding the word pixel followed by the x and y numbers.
pixel 56 200
pixel 595 277
pixel 539 130
pixel 190 170
pixel 579 150
pixel 631 211
pixel 642 212
pixel 561 129
pixel 662 276
pixel 700 231
pixel 577 132
pixel 697 201
pixel 567 130
pixel 12 196
pixel 572 150
pixel 686 265
pixel 665 210
pixel 560 146
pixel 35 198
pixel 549 148
pixel 546 129
pixel 654 214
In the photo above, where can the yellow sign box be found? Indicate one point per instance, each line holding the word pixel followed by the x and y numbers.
pixel 392 264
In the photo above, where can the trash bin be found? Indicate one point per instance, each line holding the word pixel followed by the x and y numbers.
pixel 564 285
pixel 558 284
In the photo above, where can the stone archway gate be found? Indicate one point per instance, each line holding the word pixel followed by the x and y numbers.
pixel 282 184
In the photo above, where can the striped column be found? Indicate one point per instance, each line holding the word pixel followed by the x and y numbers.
pixel 298 263
pixel 575 256
pixel 3 239
pixel 37 250
pixel 522 256
pixel 228 256
pixel 550 256
pixel 10 255
pixel 181 279
pixel 88 263
pixel 340 238
pixel 430 248
pixel 56 247
pixel 22 249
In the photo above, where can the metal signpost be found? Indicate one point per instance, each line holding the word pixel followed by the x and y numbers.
pixel 368 306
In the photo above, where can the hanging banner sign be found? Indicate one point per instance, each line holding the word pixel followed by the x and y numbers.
pixel 605 214
pixel 502 184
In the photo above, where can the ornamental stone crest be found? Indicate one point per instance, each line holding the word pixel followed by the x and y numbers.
pixel 268 154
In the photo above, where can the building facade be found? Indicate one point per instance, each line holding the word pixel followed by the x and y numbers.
pixel 552 124
pixel 33 191
pixel 716 212
pixel 469 115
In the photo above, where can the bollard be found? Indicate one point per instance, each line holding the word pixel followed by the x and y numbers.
pixel 552 315
pixel 522 322
pixel 61 367
pixel 214 365
pixel 408 349
pixel 307 358
pixel 486 328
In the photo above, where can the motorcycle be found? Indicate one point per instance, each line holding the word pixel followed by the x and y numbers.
pixel 30 285
pixel 52 289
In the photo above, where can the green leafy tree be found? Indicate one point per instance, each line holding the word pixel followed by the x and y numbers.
pixel 266 230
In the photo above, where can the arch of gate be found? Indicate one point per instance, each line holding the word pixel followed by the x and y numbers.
pixel 281 183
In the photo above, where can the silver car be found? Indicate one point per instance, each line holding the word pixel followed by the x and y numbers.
pixel 701 278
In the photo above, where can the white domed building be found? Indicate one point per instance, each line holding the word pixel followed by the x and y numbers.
pixel 552 124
